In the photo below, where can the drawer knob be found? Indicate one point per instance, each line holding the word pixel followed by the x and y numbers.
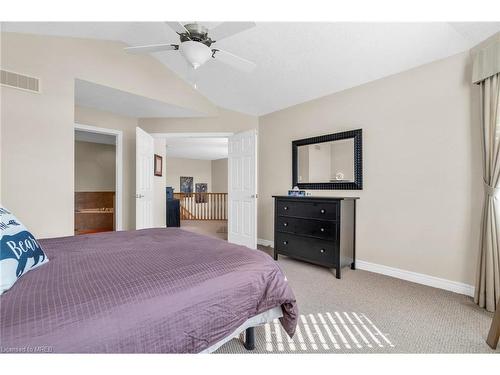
pixel 322 251
pixel 322 211
pixel 285 242
pixel 285 224
pixel 322 229
pixel 285 208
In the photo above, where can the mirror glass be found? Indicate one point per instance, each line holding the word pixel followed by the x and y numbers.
pixel 326 162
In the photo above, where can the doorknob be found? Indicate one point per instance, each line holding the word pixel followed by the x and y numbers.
pixel 139 196
pixel 254 195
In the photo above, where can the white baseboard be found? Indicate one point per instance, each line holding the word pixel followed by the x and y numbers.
pixel 419 278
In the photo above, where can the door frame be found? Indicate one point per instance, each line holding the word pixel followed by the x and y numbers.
pixel 118 134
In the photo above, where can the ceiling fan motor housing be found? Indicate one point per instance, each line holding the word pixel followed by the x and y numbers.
pixel 197 33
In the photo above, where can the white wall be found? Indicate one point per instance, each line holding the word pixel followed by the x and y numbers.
pixel 421 203
pixel 160 197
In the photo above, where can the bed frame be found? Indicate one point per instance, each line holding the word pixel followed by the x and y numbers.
pixel 250 338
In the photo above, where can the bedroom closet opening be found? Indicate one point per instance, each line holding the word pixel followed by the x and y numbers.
pixel 95 181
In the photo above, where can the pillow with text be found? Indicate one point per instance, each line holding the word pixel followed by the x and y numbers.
pixel 20 252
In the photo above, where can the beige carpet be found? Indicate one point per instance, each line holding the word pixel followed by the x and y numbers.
pixel 212 228
pixel 366 312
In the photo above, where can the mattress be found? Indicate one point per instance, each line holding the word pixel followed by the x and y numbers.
pixel 160 290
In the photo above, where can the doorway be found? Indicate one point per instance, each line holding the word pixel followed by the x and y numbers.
pixel 229 211
pixel 98 179
pixel 196 177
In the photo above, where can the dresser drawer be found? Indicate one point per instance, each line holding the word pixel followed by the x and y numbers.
pixel 308 209
pixel 316 228
pixel 306 248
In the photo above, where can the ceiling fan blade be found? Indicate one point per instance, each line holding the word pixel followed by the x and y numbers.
pixel 226 29
pixel 151 48
pixel 233 60
pixel 177 27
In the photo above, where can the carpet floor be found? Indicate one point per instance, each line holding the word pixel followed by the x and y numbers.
pixel 212 228
pixel 366 312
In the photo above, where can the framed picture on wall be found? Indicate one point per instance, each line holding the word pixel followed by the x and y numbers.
pixel 201 190
pixel 186 184
pixel 158 165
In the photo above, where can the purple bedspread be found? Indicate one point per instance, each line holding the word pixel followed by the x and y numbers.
pixel 146 291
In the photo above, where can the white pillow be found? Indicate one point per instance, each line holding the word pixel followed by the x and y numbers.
pixel 19 250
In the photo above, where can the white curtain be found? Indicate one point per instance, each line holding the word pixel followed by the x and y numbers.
pixel 486 73
pixel 487 291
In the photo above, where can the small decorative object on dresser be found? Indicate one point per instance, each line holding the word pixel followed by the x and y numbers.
pixel 319 230
pixel 296 193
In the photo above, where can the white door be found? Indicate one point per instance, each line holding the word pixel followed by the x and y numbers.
pixel 144 154
pixel 242 189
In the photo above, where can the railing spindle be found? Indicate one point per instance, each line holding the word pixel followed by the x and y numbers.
pixel 203 206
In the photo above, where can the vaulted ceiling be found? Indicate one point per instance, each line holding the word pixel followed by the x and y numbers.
pixel 296 62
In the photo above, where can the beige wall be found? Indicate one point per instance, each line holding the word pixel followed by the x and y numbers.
pixel 160 197
pixel 37 144
pixel 101 119
pixel 223 121
pixel 94 166
pixel 421 202
pixel 219 175
pixel 200 170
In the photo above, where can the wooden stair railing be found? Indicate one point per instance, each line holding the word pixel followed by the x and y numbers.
pixel 202 206
pixel 186 215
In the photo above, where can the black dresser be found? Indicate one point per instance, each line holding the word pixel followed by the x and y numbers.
pixel 173 213
pixel 319 230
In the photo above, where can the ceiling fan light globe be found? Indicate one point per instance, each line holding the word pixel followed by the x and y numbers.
pixel 195 53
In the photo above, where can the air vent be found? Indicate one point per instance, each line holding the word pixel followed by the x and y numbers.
pixel 19 81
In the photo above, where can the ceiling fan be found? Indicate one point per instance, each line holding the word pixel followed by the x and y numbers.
pixel 196 44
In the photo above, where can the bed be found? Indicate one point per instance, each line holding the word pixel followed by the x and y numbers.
pixel 147 291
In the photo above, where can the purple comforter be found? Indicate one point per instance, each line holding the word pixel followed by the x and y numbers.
pixel 146 291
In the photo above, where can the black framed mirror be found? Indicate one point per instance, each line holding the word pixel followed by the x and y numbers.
pixel 329 162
